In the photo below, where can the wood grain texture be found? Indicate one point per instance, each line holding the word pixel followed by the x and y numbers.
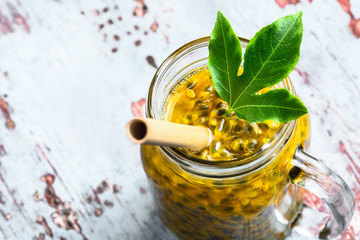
pixel 71 70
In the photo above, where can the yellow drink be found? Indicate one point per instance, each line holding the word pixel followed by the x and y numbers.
pixel 196 206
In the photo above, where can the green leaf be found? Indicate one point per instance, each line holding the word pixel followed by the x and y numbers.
pixel 224 57
pixel 278 103
pixel 269 58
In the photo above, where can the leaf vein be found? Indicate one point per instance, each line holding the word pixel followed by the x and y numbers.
pixel 292 25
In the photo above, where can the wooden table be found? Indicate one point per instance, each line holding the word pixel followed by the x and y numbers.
pixel 70 71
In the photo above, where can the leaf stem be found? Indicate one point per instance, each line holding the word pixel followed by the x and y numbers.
pixel 228 112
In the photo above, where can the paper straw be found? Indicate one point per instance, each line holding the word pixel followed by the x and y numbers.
pixel 162 133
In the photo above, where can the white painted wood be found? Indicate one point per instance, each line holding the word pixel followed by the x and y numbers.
pixel 70 97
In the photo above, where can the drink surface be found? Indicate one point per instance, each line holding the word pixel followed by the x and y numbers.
pixel 232 207
pixel 195 102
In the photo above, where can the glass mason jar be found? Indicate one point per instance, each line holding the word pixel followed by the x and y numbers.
pixel 256 197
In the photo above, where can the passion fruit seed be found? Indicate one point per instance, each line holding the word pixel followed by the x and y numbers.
pixel 220 112
pixel 251 144
pixel 237 145
pixel 203 107
pixel 263 125
pixel 220 105
pixel 191 85
pixel 209 89
pixel 190 93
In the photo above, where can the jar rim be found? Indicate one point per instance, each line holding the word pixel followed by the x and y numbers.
pixel 234 167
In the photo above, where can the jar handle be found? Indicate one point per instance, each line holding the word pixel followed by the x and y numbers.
pixel 313 175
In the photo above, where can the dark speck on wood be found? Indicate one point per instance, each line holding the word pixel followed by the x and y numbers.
pixel 89 199
pixel 98 212
pixel 1 198
pixel 142 190
pixel 104 185
pixel 2 152
pixel 108 203
pixel 116 188
pixel 5 25
pixel 96 197
pixel 6 216
pixel 141 9
pixel 17 18
pixel 41 220
pixel 47 148
pixel 6 109
pixel 37 197
pixel 137 43
pixel 151 61
pixel 154 26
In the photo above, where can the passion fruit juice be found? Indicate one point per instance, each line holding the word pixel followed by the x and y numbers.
pixel 201 207
pixel 195 102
